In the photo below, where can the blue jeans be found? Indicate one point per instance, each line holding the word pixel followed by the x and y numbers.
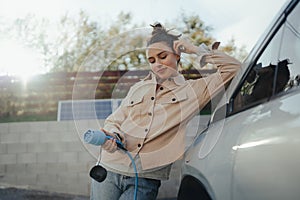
pixel 120 187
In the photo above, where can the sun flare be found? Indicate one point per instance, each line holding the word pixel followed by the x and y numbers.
pixel 18 60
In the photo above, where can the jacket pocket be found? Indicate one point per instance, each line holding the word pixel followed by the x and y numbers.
pixel 173 98
pixel 135 107
pixel 135 100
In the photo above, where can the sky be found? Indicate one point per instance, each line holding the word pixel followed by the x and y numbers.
pixel 242 20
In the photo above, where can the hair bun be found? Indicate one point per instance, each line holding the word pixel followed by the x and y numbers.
pixel 157 27
pixel 160 34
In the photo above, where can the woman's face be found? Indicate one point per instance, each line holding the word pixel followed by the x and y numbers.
pixel 162 59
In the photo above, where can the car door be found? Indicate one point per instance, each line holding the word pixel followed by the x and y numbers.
pixel 266 102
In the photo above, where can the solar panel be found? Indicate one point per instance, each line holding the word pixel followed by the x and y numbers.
pixel 86 109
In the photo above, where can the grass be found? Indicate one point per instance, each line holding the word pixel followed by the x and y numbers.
pixel 28 118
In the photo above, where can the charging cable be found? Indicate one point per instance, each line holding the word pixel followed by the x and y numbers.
pixel 136 175
pixel 98 173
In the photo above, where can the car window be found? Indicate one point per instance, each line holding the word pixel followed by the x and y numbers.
pixel 276 71
pixel 290 47
pixel 258 84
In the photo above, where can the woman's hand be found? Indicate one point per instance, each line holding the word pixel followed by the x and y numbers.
pixel 185 46
pixel 110 145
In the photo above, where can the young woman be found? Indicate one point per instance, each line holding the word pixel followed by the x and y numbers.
pixel 152 119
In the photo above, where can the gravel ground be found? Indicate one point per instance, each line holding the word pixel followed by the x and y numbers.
pixel 23 194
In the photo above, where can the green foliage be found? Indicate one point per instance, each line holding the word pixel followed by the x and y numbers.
pixel 82 44
pixel 79 43
pixel 196 29
pixel 238 52
pixel 29 118
pixel 76 39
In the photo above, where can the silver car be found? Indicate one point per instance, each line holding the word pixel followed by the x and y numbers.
pixel 251 147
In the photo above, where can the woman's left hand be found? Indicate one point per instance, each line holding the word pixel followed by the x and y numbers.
pixel 185 46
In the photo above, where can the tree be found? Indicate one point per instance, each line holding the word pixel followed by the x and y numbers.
pixel 76 39
pixel 81 44
pixel 197 31
pixel 31 32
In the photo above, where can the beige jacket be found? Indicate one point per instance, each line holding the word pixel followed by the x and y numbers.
pixel 152 119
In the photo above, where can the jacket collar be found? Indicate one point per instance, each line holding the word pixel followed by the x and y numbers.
pixel 177 80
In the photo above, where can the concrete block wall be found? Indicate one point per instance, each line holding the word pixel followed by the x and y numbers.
pixel 51 156
pixel 45 156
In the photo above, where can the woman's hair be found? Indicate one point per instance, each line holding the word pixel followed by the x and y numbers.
pixel 160 34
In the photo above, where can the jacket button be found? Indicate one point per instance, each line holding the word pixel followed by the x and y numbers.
pixel 161 88
pixel 139 145
pixel 152 98
pixel 173 99
pixel 131 102
pixel 149 113
pixel 146 130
